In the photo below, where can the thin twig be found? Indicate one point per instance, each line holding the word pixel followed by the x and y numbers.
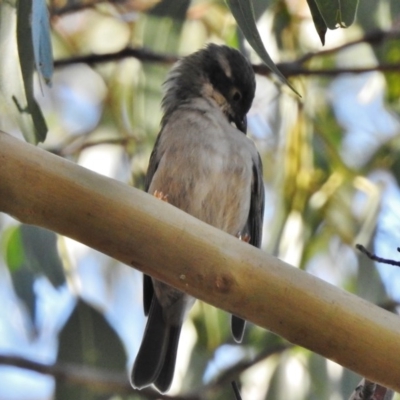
pixel 96 379
pixel 117 383
pixel 230 374
pixel 293 69
pixel 236 390
pixel 141 54
pixel 374 257
pixel 374 37
pixel 69 148
pixel 287 69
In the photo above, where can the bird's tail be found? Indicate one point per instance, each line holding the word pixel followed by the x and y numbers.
pixel 155 361
pixel 237 326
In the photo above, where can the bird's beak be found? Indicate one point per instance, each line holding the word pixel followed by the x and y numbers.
pixel 241 124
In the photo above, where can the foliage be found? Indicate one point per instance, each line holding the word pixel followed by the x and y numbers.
pixel 330 166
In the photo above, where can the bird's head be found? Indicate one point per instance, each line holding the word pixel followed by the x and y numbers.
pixel 219 73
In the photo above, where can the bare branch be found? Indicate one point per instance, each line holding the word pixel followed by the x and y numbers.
pixel 374 257
pixel 233 372
pixel 288 69
pixel 113 382
pixel 142 54
pixel 75 374
pixel 375 37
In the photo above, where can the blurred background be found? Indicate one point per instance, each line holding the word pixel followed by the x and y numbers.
pixel 331 168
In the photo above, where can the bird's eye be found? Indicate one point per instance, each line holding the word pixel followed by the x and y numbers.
pixel 236 96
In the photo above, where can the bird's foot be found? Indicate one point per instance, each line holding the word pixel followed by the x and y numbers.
pixel 160 195
pixel 243 238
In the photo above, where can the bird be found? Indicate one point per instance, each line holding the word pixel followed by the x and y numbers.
pixel 203 163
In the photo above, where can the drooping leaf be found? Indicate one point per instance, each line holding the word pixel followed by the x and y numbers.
pixel 171 8
pixel 394 10
pixel 319 22
pixel 27 61
pixel 35 249
pixel 337 13
pixel 41 40
pixel 243 12
pixel 12 86
pixel 42 258
pixel 22 277
pixel 23 282
pixel 30 252
pixel 14 249
pixel 88 340
pixel 348 10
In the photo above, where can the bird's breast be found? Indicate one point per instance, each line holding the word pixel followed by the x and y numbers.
pixel 207 174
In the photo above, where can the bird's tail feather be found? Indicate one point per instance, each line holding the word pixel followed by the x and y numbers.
pixel 153 350
pixel 237 327
pixel 166 375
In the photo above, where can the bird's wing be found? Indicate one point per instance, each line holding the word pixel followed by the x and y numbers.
pixel 148 289
pixel 153 163
pixel 254 230
pixel 256 214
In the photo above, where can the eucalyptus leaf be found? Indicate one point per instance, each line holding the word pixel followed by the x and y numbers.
pixel 243 12
pixel 23 282
pixel 319 22
pixel 14 248
pixel 28 105
pixel 22 277
pixel 337 13
pixel 13 100
pixel 41 40
pixel 171 8
pixel 40 247
pixel 34 249
pixel 348 10
pixel 88 340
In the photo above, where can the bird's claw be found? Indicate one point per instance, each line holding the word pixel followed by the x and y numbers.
pixel 244 238
pixel 160 195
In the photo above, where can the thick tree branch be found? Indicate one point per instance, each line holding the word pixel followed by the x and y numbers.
pixel 141 231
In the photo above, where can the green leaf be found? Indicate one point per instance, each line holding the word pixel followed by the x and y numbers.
pixel 26 57
pixel 88 340
pixel 243 12
pixel 348 10
pixel 171 8
pixel 337 13
pixel 14 249
pixel 319 22
pixel 40 247
pixel 12 90
pixel 41 40
pixel 34 249
pixel 22 278
pixel 23 282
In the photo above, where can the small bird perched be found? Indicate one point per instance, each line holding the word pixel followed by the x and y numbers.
pixel 206 166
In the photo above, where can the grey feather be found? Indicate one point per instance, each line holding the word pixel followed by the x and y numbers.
pixel 209 169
